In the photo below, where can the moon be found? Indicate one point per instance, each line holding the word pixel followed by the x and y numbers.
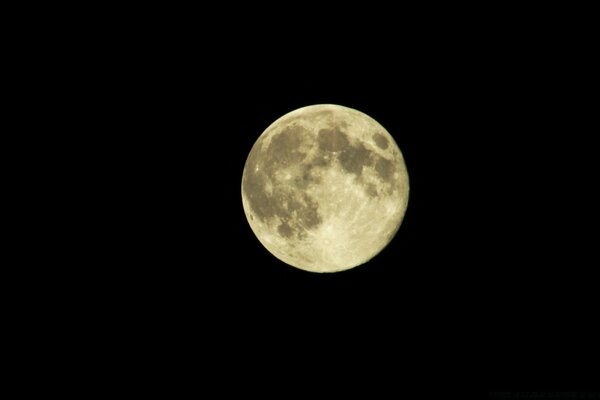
pixel 325 188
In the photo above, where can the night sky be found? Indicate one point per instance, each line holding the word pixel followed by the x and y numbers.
pixel 482 287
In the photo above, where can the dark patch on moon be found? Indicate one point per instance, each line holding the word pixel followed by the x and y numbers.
pixel 308 215
pixel 306 178
pixel 300 214
pixel 292 204
pixel 354 158
pixel 302 181
pixel 384 168
pixel 371 190
pixel 319 160
pixel 295 209
pixel 332 139
pixel 285 147
pixel 381 141
pixel 284 150
pixel 285 230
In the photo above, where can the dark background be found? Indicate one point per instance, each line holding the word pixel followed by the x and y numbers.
pixel 484 287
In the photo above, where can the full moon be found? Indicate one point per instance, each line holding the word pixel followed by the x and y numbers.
pixel 325 188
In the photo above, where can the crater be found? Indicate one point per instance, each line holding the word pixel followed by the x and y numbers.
pixel 381 141
pixel 332 140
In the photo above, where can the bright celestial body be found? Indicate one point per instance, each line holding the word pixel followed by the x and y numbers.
pixel 325 188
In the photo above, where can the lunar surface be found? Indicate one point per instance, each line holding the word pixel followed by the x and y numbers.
pixel 325 188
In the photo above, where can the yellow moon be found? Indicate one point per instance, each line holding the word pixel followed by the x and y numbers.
pixel 325 188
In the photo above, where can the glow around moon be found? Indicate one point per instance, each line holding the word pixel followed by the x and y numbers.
pixel 325 188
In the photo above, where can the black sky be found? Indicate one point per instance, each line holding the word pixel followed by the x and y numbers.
pixel 481 287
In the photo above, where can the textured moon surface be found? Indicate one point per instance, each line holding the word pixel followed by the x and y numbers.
pixel 325 188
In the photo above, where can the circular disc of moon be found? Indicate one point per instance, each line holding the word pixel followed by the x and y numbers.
pixel 325 188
